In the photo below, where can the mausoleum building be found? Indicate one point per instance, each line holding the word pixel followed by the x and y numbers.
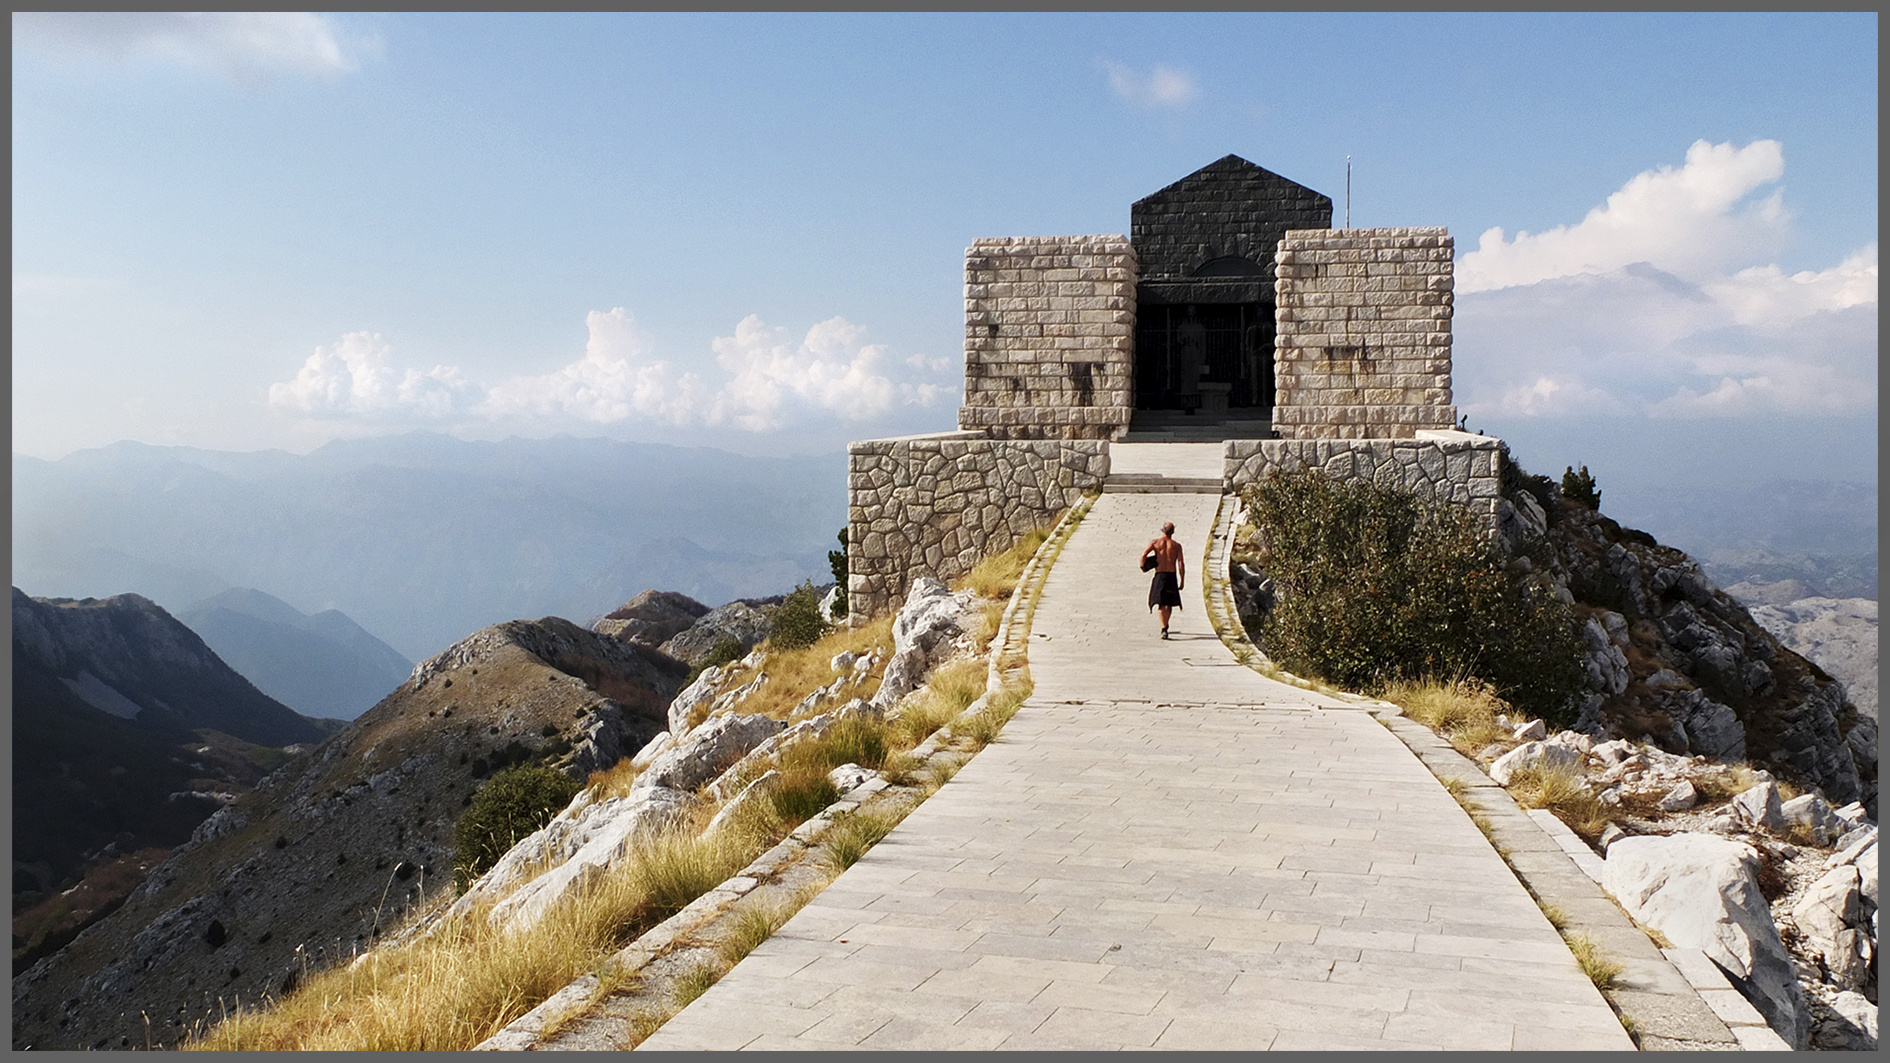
pixel 1232 312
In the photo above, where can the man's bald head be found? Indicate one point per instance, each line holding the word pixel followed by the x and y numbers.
pixel 1168 528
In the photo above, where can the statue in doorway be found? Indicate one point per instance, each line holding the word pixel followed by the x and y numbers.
pixel 1191 346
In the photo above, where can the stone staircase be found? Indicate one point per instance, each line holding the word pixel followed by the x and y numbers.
pixel 1155 483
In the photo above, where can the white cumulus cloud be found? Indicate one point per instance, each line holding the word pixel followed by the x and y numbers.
pixel 237 42
pixel 1162 86
pixel 1666 302
pixel 832 369
pixel 356 378
pixel 1693 221
pixel 615 380
pixel 762 380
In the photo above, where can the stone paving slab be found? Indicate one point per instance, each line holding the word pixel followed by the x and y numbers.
pixel 1222 862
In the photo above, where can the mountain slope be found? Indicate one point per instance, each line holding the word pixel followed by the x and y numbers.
pixel 329 849
pixel 321 665
pixel 127 733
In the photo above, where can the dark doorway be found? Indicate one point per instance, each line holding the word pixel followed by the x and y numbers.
pixel 1233 343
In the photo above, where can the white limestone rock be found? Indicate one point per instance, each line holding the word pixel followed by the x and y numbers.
pixel 1682 797
pixel 847 776
pixel 1758 806
pixel 1702 891
pixel 599 836
pixel 1861 1014
pixel 1827 915
pixel 843 661
pixel 1534 730
pixel 1812 813
pixel 930 616
pixel 1542 756
pixel 652 749
pixel 804 730
pixel 683 706
pixel 756 793
pixel 708 751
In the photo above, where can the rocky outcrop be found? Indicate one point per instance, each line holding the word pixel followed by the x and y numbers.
pixel 651 618
pixel 575 849
pixel 928 620
pixel 1673 659
pixel 1702 891
pixel 708 751
pixel 738 622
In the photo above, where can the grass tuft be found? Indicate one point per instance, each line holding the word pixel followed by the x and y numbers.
pixel 850 835
pixel 1595 963
pixel 1562 791
pixel 1463 712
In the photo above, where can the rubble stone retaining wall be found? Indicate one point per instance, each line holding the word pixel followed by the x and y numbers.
pixel 1049 337
pixel 1448 465
pixel 935 505
pixel 1363 343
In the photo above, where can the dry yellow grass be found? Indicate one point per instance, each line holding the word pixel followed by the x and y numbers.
pixel 1594 962
pixel 1463 712
pixel 1561 790
pixel 794 674
pixel 996 576
pixel 455 988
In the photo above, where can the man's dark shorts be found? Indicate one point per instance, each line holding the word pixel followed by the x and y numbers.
pixel 1164 590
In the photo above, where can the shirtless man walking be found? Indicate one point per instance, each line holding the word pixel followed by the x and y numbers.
pixel 1164 592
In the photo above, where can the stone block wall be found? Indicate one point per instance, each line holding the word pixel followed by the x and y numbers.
pixel 935 505
pixel 1449 465
pixel 1363 344
pixel 1049 337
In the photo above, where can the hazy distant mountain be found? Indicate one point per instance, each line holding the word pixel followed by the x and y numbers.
pixel 1821 532
pixel 322 665
pixel 423 538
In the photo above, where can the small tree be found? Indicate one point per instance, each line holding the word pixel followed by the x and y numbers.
pixel 1580 487
pixel 797 621
pixel 837 560
pixel 510 806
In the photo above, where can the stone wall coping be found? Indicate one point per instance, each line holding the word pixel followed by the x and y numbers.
pixel 963 433
pixel 1116 241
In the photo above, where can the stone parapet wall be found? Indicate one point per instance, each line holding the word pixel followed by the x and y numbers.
pixel 1447 465
pixel 1363 333
pixel 1049 337
pixel 935 505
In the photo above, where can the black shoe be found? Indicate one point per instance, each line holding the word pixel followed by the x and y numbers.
pixel 1164 633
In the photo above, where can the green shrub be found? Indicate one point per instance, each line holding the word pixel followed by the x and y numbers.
pixel 837 560
pixel 726 651
pixel 1377 585
pixel 797 621
pixel 1580 487
pixel 511 805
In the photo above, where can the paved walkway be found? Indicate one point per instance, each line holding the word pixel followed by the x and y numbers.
pixel 1164 850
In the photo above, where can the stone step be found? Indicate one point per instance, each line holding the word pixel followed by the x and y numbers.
pixel 1150 483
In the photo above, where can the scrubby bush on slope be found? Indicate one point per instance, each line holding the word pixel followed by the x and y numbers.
pixel 1375 584
pixel 515 803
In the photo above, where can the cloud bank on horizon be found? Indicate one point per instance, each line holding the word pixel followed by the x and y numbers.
pixel 767 382
pixel 1660 303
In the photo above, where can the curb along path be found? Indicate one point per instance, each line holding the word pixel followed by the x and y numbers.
pixel 1164 849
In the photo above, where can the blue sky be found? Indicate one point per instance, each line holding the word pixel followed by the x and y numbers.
pixel 747 231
